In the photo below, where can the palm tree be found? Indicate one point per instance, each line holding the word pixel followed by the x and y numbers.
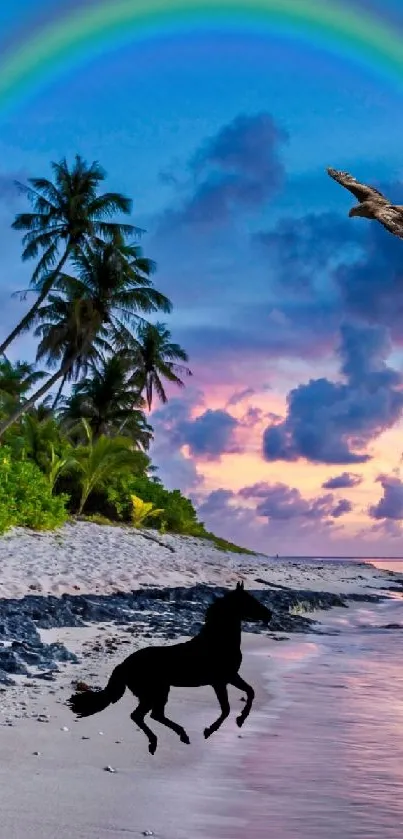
pixel 99 265
pixel 125 266
pixel 156 359
pixel 100 459
pixel 16 380
pixel 67 213
pixel 72 335
pixel 106 398
pixel 90 314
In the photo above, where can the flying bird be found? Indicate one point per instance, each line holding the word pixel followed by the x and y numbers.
pixel 372 204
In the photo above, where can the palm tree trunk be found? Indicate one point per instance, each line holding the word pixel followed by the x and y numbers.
pixel 27 319
pixel 59 392
pixel 22 409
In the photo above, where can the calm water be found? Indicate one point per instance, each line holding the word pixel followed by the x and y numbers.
pixel 326 757
pixel 383 563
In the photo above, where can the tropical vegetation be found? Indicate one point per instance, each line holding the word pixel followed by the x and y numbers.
pixel 75 429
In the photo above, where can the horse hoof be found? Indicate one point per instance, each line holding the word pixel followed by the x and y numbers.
pixel 207 733
pixel 240 721
pixel 185 739
pixel 152 748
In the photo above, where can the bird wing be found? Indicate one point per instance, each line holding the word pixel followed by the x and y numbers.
pixel 391 218
pixel 360 191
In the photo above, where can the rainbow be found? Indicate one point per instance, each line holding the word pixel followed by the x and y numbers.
pixel 78 33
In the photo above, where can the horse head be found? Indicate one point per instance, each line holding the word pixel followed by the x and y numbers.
pixel 251 609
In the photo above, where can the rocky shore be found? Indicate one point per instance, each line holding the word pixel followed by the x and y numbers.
pixel 160 614
pixel 73 604
pixel 148 589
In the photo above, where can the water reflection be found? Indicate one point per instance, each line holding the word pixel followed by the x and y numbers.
pixel 328 763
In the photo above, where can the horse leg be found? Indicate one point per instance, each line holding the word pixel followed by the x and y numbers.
pixel 222 696
pixel 240 683
pixel 137 716
pixel 158 714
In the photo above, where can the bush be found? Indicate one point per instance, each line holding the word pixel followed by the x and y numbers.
pixel 26 498
pixel 176 513
pixel 142 510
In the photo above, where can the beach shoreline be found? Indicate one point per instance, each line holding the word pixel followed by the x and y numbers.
pixel 53 774
pixel 87 558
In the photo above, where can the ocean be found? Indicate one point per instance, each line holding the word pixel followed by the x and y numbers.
pixel 325 757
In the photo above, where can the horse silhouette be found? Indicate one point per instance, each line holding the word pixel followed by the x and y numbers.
pixel 213 657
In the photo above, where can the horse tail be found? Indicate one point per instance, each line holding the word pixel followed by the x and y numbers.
pixel 88 702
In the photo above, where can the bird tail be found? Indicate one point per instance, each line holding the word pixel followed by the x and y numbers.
pixel 86 703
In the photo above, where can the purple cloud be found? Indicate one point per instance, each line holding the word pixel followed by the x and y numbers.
pixel 208 436
pixel 301 248
pixel 240 395
pixel 239 168
pixel 342 507
pixel 390 506
pixel 372 286
pixel 333 422
pixel 343 481
pixel 281 502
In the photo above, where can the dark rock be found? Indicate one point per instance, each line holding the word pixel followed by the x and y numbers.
pixel 10 662
pixel 164 613
pixel 5 679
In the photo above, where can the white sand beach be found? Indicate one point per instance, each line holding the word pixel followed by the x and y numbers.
pixel 84 557
pixel 54 775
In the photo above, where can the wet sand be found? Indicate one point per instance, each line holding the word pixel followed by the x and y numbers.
pixel 325 758
pixel 65 792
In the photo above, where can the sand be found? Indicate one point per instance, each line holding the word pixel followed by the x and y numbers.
pixel 53 780
pixel 88 558
pixel 64 791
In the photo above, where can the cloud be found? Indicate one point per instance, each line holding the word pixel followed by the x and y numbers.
pixel 281 502
pixel 372 286
pixel 208 436
pixel 342 507
pixel 390 506
pixel 239 168
pixel 240 396
pixel 175 470
pixel 300 249
pixel 217 502
pixel 333 422
pixel 343 481
pixel 282 516
pixel 262 330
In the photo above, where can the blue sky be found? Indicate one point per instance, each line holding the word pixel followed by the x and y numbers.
pixel 290 311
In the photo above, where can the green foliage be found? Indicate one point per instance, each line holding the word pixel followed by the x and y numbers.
pixel 26 498
pixel 142 510
pixel 93 288
pixel 176 513
pixel 224 545
pixel 58 464
pixel 97 518
pixel 99 460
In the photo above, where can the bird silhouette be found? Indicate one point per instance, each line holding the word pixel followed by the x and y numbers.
pixel 372 203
